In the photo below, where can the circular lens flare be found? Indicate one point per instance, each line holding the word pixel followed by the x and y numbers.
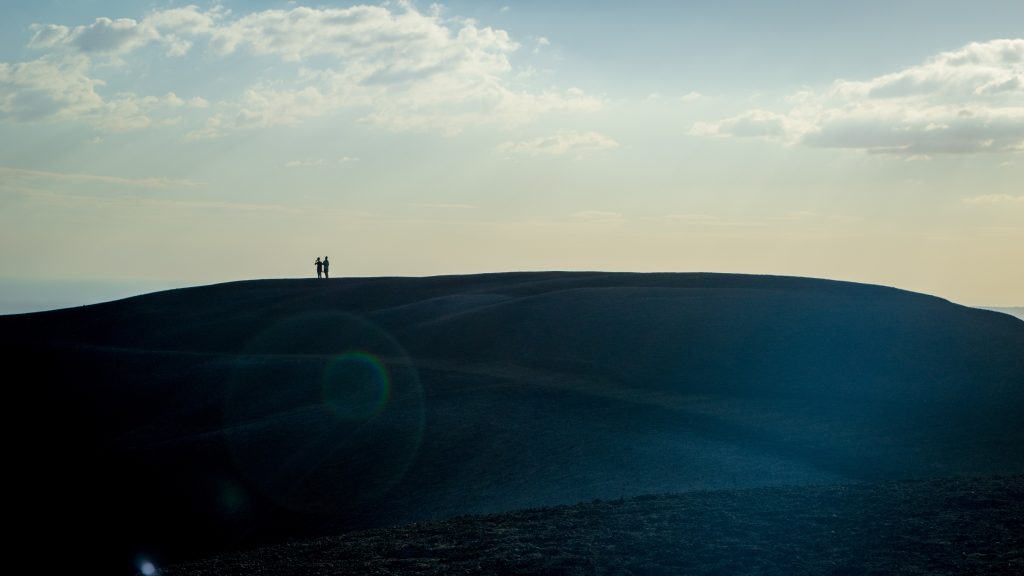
pixel 323 414
pixel 355 385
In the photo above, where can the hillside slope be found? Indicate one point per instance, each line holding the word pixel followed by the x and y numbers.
pixel 949 526
pixel 236 414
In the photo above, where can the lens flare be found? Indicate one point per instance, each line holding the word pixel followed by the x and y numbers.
pixel 323 414
pixel 355 385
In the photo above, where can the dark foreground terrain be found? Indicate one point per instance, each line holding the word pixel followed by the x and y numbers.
pixel 949 526
pixel 182 424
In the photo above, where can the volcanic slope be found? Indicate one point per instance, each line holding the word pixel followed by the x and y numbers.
pixel 219 417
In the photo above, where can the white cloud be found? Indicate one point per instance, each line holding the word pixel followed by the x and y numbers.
pixel 270 106
pixel 753 123
pixel 689 217
pixel 443 206
pixel 46 87
pixel 113 37
pixel 187 20
pixel 796 215
pixel 23 173
pixel 304 163
pixel 995 199
pixel 711 221
pixel 135 201
pixel 60 88
pixel 214 128
pixel 600 216
pixel 411 70
pixel 969 100
pixel 563 143
pixel 308 162
pixel 691 96
pixel 404 68
pixel 48 36
pixel 397 66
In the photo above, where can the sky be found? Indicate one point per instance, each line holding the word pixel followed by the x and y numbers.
pixel 168 143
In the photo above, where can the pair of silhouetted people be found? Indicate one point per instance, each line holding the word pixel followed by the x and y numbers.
pixel 323 267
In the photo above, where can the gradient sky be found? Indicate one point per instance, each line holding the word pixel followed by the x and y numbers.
pixel 878 142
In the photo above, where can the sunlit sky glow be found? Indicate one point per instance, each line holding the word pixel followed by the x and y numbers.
pixel 878 142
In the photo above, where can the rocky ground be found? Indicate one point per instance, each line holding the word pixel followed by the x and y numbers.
pixel 944 526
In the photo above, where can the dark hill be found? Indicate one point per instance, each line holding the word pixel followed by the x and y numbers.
pixel 946 526
pixel 202 419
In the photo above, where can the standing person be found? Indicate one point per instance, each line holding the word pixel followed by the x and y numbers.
pixel 319 268
pixel 327 264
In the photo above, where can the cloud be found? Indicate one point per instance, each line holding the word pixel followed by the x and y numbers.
pixel 409 69
pixel 690 217
pixel 269 106
pixel 214 128
pixel 598 217
pixel 46 87
pixel 396 66
pixel 563 143
pixel 995 199
pixel 48 36
pixel 309 162
pixel 969 100
pixel 114 37
pixel 304 163
pixel 753 123
pixel 60 88
pixel 443 206
pixel 133 201
pixel 159 183
pixel 796 215
pixel 405 39
pixel 711 221
pixel 691 96
pixel 187 20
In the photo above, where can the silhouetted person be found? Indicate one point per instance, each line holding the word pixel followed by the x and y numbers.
pixel 327 264
pixel 319 268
